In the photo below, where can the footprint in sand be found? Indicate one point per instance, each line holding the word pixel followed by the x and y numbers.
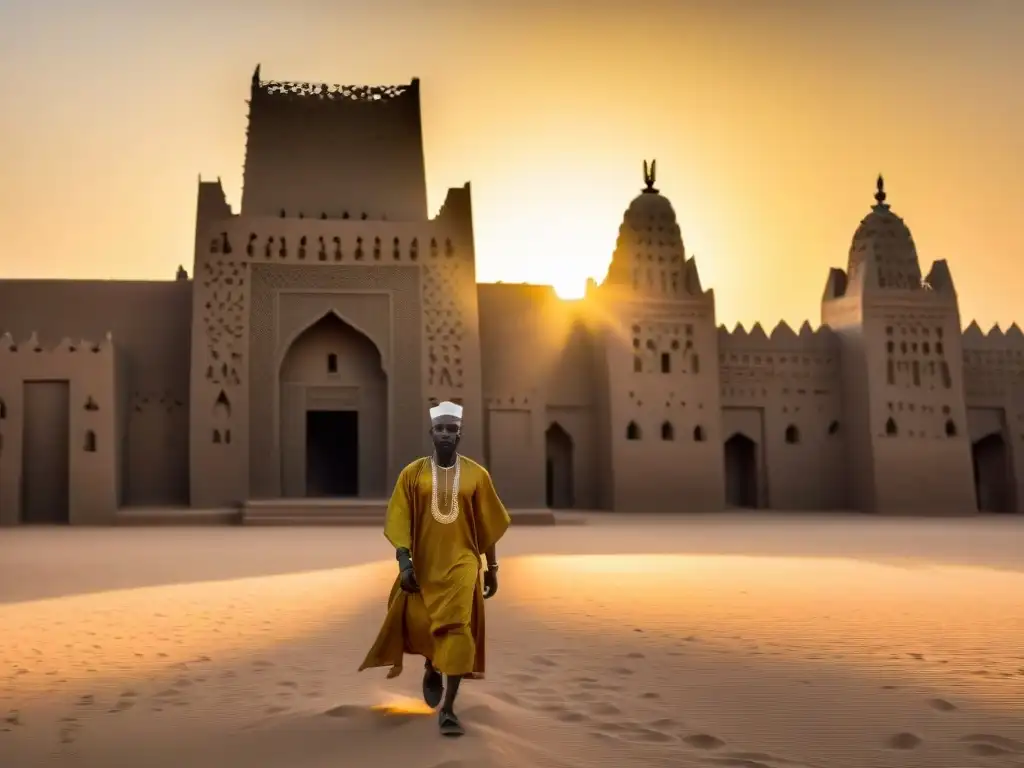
pixel 522 677
pixel 288 684
pixel 664 722
pixel 543 661
pixel 621 670
pixel 941 705
pixel 581 696
pixel 275 710
pixel 650 695
pixel 703 741
pixel 903 740
pixel 122 705
pixel 571 716
pixel 990 745
pixel 635 655
pixel 345 710
pixel 261 664
pixel 604 709
pixel 641 735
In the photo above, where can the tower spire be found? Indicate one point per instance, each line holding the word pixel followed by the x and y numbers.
pixel 649 175
pixel 880 194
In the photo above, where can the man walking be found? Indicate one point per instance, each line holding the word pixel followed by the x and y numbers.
pixel 443 515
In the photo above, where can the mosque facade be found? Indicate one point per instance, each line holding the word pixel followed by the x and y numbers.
pixel 298 362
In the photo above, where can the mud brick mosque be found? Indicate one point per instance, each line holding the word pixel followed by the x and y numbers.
pixel 322 320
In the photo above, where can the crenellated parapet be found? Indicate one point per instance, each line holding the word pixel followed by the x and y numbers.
pixel 993 363
pixel 32 345
pixel 756 365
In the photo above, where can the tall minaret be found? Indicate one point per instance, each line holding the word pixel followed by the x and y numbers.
pixel 902 372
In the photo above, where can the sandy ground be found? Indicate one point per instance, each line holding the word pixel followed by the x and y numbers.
pixel 731 640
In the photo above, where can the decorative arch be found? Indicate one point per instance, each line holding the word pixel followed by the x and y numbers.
pixel 792 434
pixel 288 342
pixel 89 444
pixel 698 434
pixel 633 431
pixel 890 427
pixel 950 428
pixel 668 432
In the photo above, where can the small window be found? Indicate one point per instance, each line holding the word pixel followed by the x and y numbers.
pixel 332 363
pixel 668 432
pixel 890 427
pixel 833 428
pixel 638 364
pixel 90 441
pixel 698 434
pixel 3 409
pixel 227 437
pixel 792 435
pixel 666 362
pixel 950 428
pixel 695 364
pixel 633 431
pixel 216 437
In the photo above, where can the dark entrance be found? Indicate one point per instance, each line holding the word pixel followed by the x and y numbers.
pixel 332 453
pixel 741 472
pixel 992 474
pixel 46 445
pixel 559 450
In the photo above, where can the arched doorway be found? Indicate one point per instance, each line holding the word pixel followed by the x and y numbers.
pixel 992 487
pixel 559 459
pixel 741 472
pixel 333 414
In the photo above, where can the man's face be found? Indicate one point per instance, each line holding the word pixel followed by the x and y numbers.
pixel 446 432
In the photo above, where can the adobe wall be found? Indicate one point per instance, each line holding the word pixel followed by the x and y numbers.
pixel 538 375
pixel 994 383
pixel 150 321
pixel 318 149
pixel 90 436
pixel 784 392
pixel 666 425
pixel 261 281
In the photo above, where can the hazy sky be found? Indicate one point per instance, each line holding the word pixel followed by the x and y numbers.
pixel 769 120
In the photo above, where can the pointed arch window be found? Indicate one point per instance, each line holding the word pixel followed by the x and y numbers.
pixel 890 427
pixel 668 432
pixel 633 431
pixel 792 434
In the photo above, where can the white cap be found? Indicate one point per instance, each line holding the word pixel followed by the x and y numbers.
pixel 447 408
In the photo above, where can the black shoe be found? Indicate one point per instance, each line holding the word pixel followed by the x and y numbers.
pixel 433 686
pixel 450 725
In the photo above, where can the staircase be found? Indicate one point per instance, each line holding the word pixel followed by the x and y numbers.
pixel 352 512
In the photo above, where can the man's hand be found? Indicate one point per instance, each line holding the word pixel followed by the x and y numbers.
pixel 490 581
pixel 406 573
pixel 407 581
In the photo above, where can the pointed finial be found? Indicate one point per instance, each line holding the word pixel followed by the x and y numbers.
pixel 649 176
pixel 256 77
pixel 880 193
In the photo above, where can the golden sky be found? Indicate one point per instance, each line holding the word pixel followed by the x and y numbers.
pixel 769 120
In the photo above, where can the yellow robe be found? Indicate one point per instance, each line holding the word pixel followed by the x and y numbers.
pixel 444 622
